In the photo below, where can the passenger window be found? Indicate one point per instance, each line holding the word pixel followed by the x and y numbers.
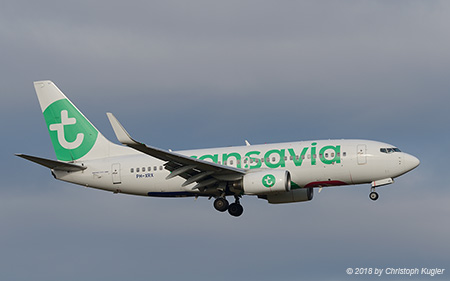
pixel 326 155
pixel 231 162
pixel 143 169
pixel 292 157
pixel 131 170
pixel 344 154
pixel 155 168
pixel 273 159
pixel 137 170
pixel 160 168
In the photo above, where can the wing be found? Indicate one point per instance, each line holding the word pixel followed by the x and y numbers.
pixel 205 174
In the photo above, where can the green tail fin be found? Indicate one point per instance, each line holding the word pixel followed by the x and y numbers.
pixel 72 135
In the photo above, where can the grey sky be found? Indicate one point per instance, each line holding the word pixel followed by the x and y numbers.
pixel 194 74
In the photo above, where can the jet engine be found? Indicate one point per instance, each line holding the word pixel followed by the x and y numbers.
pixel 266 181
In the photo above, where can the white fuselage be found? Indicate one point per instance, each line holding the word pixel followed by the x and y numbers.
pixel 311 164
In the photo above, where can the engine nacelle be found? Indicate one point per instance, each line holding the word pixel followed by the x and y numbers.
pixel 266 181
pixel 296 195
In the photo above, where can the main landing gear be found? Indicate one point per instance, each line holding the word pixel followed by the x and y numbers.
pixel 373 195
pixel 235 209
pixel 221 204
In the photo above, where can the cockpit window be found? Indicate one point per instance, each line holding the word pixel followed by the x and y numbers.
pixel 389 150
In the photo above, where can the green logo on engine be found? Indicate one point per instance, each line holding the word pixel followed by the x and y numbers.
pixel 71 134
pixel 268 180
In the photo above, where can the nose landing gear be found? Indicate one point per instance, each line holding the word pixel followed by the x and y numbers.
pixel 373 195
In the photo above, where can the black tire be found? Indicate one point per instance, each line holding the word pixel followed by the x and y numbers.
pixel 235 209
pixel 373 195
pixel 221 204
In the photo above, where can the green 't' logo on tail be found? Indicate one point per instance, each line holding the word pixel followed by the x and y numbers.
pixel 71 134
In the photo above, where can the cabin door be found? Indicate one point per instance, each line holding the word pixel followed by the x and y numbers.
pixel 361 152
pixel 115 168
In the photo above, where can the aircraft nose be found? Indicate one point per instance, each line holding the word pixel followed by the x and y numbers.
pixel 411 162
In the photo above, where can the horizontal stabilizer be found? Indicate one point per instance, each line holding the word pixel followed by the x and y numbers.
pixel 52 164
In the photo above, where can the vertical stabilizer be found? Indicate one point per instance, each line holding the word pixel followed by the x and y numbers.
pixel 73 136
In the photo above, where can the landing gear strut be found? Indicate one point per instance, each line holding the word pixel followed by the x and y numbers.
pixel 373 195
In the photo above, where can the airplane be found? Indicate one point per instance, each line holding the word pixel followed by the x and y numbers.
pixel 279 173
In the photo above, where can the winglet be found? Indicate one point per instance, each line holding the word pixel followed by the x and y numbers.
pixel 121 134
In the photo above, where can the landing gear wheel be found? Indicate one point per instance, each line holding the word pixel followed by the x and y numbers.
pixel 373 195
pixel 235 209
pixel 221 204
